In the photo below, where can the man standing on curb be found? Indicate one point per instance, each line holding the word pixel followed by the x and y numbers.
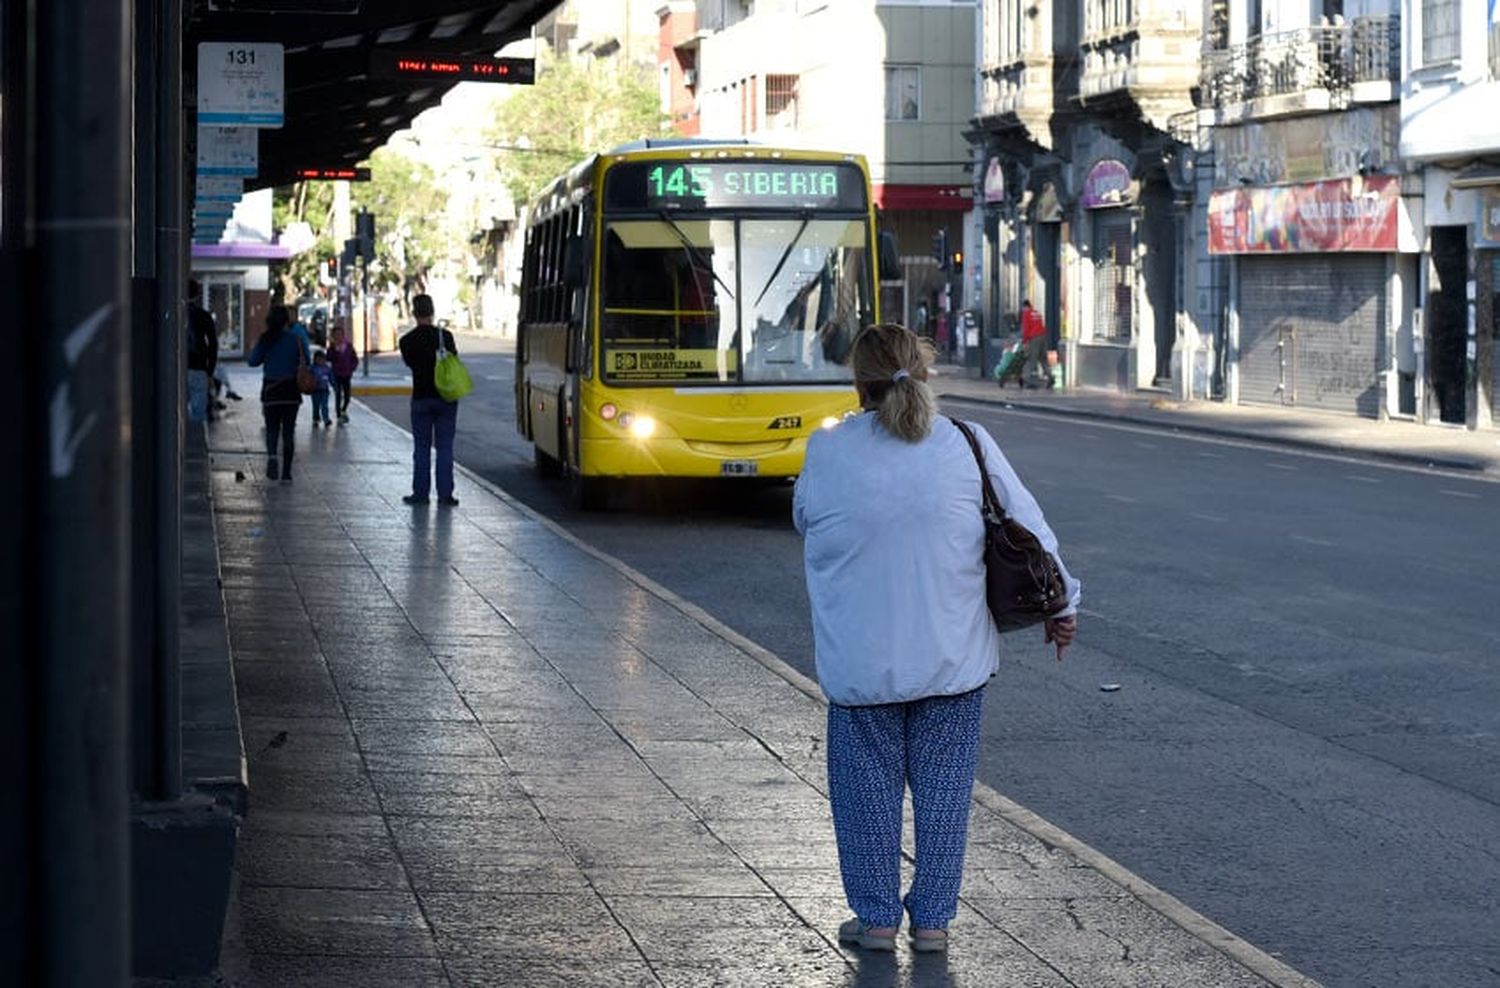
pixel 433 420
pixel 1034 340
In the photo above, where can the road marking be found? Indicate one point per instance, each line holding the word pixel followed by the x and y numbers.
pixel 1457 493
pixel 1281 466
pixel 1210 456
pixel 1123 499
pixel 1216 519
pixel 495 377
pixel 1364 480
pixel 1088 435
pixel 1312 541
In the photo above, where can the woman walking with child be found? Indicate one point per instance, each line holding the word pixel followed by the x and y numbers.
pixel 889 505
pixel 280 350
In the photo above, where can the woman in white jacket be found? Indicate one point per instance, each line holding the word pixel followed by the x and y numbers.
pixel 888 504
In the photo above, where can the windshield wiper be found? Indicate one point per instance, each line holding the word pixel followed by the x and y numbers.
pixel 806 219
pixel 695 256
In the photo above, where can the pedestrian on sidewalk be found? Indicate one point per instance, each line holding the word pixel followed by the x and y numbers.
pixel 1034 340
pixel 279 351
pixel 433 420
pixel 344 361
pixel 888 504
pixel 202 356
pixel 323 374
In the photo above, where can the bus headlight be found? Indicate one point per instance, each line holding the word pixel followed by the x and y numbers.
pixel 831 421
pixel 641 426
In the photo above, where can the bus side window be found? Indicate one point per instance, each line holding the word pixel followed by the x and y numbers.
pixel 575 285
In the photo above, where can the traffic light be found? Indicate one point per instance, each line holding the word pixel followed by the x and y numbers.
pixel 364 232
pixel 940 249
pixel 957 263
pixel 331 268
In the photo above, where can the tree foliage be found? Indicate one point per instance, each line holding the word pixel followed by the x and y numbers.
pixel 310 203
pixel 411 235
pixel 574 109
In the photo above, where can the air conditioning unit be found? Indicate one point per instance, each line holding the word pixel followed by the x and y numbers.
pixel 690 77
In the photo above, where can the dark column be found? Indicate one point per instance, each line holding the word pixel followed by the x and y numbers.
pixel 158 372
pixel 66 248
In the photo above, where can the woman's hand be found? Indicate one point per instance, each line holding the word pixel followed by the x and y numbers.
pixel 1061 631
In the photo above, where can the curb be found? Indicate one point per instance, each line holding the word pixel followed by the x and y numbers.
pixel 379 389
pixel 1357 452
pixel 1173 909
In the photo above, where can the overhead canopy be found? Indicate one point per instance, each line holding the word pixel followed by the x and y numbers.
pixel 335 114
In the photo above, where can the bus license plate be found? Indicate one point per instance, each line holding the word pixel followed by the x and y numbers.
pixel 739 468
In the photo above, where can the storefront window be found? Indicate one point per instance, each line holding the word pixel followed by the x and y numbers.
pixel 1114 276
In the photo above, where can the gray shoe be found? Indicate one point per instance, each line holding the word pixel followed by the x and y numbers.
pixel 857 932
pixel 929 941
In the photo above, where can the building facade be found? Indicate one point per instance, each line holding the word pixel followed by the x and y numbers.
pixel 893 81
pixel 1312 225
pixel 1450 138
pixel 1082 178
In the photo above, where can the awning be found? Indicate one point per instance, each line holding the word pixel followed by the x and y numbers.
pixel 952 198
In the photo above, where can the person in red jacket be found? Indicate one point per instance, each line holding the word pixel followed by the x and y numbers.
pixel 1034 340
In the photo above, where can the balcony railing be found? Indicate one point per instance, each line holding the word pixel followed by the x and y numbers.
pixel 1329 57
pixel 1375 48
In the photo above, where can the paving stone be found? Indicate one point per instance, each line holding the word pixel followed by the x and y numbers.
pixel 285 690
pixel 520 970
pixel 315 971
pixel 333 921
pixel 407 737
pixel 309 850
pixel 671 879
pixel 445 705
pixel 310 790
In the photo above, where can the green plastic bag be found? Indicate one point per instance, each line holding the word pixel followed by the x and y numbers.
pixel 450 376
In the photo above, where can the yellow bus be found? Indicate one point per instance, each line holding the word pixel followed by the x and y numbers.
pixel 687 310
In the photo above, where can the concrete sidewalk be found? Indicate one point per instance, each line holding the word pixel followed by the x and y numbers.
pixel 481 753
pixel 1441 446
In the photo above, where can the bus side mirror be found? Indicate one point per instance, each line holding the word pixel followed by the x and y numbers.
pixel 890 258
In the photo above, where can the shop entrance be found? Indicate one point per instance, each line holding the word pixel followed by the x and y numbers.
pixel 1046 292
pixel 1447 322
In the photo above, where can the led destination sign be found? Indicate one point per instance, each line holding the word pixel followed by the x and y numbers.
pixel 388 64
pixel 334 174
pixel 729 184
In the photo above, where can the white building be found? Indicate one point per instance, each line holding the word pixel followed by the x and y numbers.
pixel 893 81
pixel 1450 136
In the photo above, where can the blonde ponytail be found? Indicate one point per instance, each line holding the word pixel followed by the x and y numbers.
pixel 890 369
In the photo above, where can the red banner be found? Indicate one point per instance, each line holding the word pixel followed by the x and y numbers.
pixel 1351 214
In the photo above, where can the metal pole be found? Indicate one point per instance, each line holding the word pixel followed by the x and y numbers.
pixel 171 198
pixel 22 771
pixel 364 302
pixel 72 369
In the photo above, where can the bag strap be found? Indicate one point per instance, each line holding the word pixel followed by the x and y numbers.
pixel 992 507
pixel 441 351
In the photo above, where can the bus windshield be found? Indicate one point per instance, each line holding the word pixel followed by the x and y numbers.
pixel 733 300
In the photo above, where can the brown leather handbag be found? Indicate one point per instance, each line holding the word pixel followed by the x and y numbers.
pixel 1023 584
pixel 307 382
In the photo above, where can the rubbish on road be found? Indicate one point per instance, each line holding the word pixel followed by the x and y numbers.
pixel 1109 687
pixel 239 476
pixel 255 533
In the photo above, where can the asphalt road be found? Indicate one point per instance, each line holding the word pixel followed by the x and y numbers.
pixel 1306 743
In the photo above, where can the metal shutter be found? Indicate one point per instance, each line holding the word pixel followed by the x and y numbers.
pixel 1114 275
pixel 1312 331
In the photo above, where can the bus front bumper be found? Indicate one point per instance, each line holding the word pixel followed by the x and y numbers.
pixel 672 457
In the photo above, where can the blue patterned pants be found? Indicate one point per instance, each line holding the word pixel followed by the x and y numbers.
pixel 874 753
